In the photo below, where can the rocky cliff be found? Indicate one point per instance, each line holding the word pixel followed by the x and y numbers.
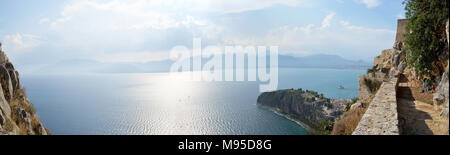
pixel 308 108
pixel 17 114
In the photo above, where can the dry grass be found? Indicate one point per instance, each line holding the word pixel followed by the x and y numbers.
pixel 19 100
pixel 9 126
pixel 347 123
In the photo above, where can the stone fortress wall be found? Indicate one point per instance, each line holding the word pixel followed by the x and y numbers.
pixel 381 117
pixel 401 30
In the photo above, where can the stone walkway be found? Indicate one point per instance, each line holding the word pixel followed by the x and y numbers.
pixel 381 117
pixel 417 117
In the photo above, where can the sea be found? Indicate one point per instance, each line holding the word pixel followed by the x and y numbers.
pixel 171 104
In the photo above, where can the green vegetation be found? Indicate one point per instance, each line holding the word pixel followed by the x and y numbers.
pixel 372 70
pixel 347 108
pixel 426 25
pixel 328 105
pixel 373 85
pixel 323 128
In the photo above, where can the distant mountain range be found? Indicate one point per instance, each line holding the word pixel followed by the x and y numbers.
pixel 284 61
pixel 321 61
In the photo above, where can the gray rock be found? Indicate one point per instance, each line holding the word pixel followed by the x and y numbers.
pixel 441 94
pixel 444 112
pixel 42 130
pixel 401 67
pixel 396 60
pixel 446 31
pixel 22 113
pixel 393 73
pixel 17 78
pixel 26 118
pixel 3 58
pixel 9 66
pixel 4 106
pixel 357 105
pixel 2 118
pixel 3 132
pixel 14 80
pixel 6 83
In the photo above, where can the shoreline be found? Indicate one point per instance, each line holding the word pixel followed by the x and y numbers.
pixel 277 111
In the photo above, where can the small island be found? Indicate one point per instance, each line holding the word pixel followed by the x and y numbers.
pixel 311 110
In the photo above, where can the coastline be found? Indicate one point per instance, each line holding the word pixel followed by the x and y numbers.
pixel 277 111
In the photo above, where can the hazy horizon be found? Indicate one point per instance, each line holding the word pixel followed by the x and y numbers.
pixel 42 33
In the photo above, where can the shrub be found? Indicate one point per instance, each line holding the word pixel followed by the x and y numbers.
pixel 328 105
pixel 373 85
pixel 372 70
pixel 348 106
pixel 426 24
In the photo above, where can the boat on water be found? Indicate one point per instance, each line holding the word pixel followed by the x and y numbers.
pixel 341 87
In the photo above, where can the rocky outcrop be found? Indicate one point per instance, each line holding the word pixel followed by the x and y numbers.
pixel 6 82
pixel 441 95
pixel 17 115
pixel 307 107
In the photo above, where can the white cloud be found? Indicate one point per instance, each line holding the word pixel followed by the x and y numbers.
pixel 400 16
pixel 157 14
pixel 339 38
pixel 116 15
pixel 326 22
pixel 369 3
pixel 142 57
pixel 20 42
pixel 44 20
pixel 237 6
pixel 348 26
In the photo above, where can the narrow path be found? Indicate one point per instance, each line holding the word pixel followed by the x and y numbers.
pixel 416 115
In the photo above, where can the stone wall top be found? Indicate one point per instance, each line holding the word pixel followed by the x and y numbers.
pixel 381 118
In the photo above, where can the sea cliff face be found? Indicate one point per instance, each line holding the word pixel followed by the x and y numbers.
pixel 17 114
pixel 308 108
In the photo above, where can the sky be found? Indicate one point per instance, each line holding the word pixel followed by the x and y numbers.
pixel 38 33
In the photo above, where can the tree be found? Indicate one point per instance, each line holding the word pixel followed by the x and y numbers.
pixel 426 25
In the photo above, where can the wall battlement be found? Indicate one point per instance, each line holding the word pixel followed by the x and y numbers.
pixel 401 30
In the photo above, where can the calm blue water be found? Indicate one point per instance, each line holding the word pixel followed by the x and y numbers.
pixel 158 103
